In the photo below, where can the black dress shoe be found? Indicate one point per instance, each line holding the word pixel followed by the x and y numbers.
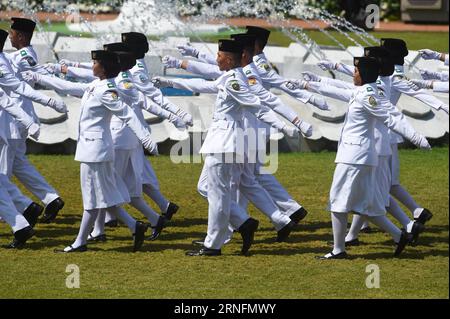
pixel 51 210
pixel 99 238
pixel 405 239
pixel 424 216
pixel 284 232
pixel 32 213
pixel 112 223
pixel 299 215
pixel 20 238
pixel 366 230
pixel 171 210
pixel 70 249
pixel 417 228
pixel 247 231
pixel 139 235
pixel 158 228
pixel 198 242
pixel 204 252
pixel 342 255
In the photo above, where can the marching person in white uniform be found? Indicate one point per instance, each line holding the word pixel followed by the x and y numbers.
pixel 13 86
pixel 138 44
pixel 398 85
pixel 23 59
pixel 21 225
pixel 224 155
pixel 354 179
pixel 254 148
pixel 128 153
pixel 102 188
pixel 382 141
pixel 280 196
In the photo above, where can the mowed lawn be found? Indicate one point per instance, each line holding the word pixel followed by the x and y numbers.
pixel 274 270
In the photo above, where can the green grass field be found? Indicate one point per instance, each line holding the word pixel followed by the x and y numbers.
pixel 274 270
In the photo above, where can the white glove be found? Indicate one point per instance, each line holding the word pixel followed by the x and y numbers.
pixel 444 108
pixel 188 50
pixel 420 141
pixel 170 62
pixel 150 146
pixel 326 65
pixel 31 77
pixel 69 63
pixel 319 102
pixel 309 76
pixel 429 75
pixel 186 117
pixel 291 131
pixel 412 85
pixel 304 127
pixel 422 84
pixel 53 68
pixel 34 131
pixel 58 106
pixel 428 54
pixel 301 84
pixel 160 82
pixel 176 121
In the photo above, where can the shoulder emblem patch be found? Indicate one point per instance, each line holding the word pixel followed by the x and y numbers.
pixel 372 101
pixel 114 96
pixel 30 61
pixel 143 78
pixel 248 72
pixel 266 66
pixel 127 85
pixel 235 85
pixel 369 89
pixel 1 74
pixel 23 53
pixel 125 75
pixel 110 85
pixel 140 65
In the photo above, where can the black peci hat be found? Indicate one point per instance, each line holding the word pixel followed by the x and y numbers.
pixel 383 56
pixel 226 45
pixel 397 48
pixel 126 60
pixel 117 46
pixel 369 68
pixel 247 40
pixel 260 33
pixel 137 43
pixel 102 55
pixel 22 24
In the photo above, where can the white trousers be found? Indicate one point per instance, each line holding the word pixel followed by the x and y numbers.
pixel 219 179
pixel 266 196
pixel 9 213
pixel 27 174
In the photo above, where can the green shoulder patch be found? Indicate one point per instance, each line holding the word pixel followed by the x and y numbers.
pixel 378 82
pixel 369 89
pixel 266 66
pixel 23 53
pixel 111 85
pixel 248 72
pixel 372 101
pixel 1 74
pixel 140 65
pixel 125 75
pixel 235 85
